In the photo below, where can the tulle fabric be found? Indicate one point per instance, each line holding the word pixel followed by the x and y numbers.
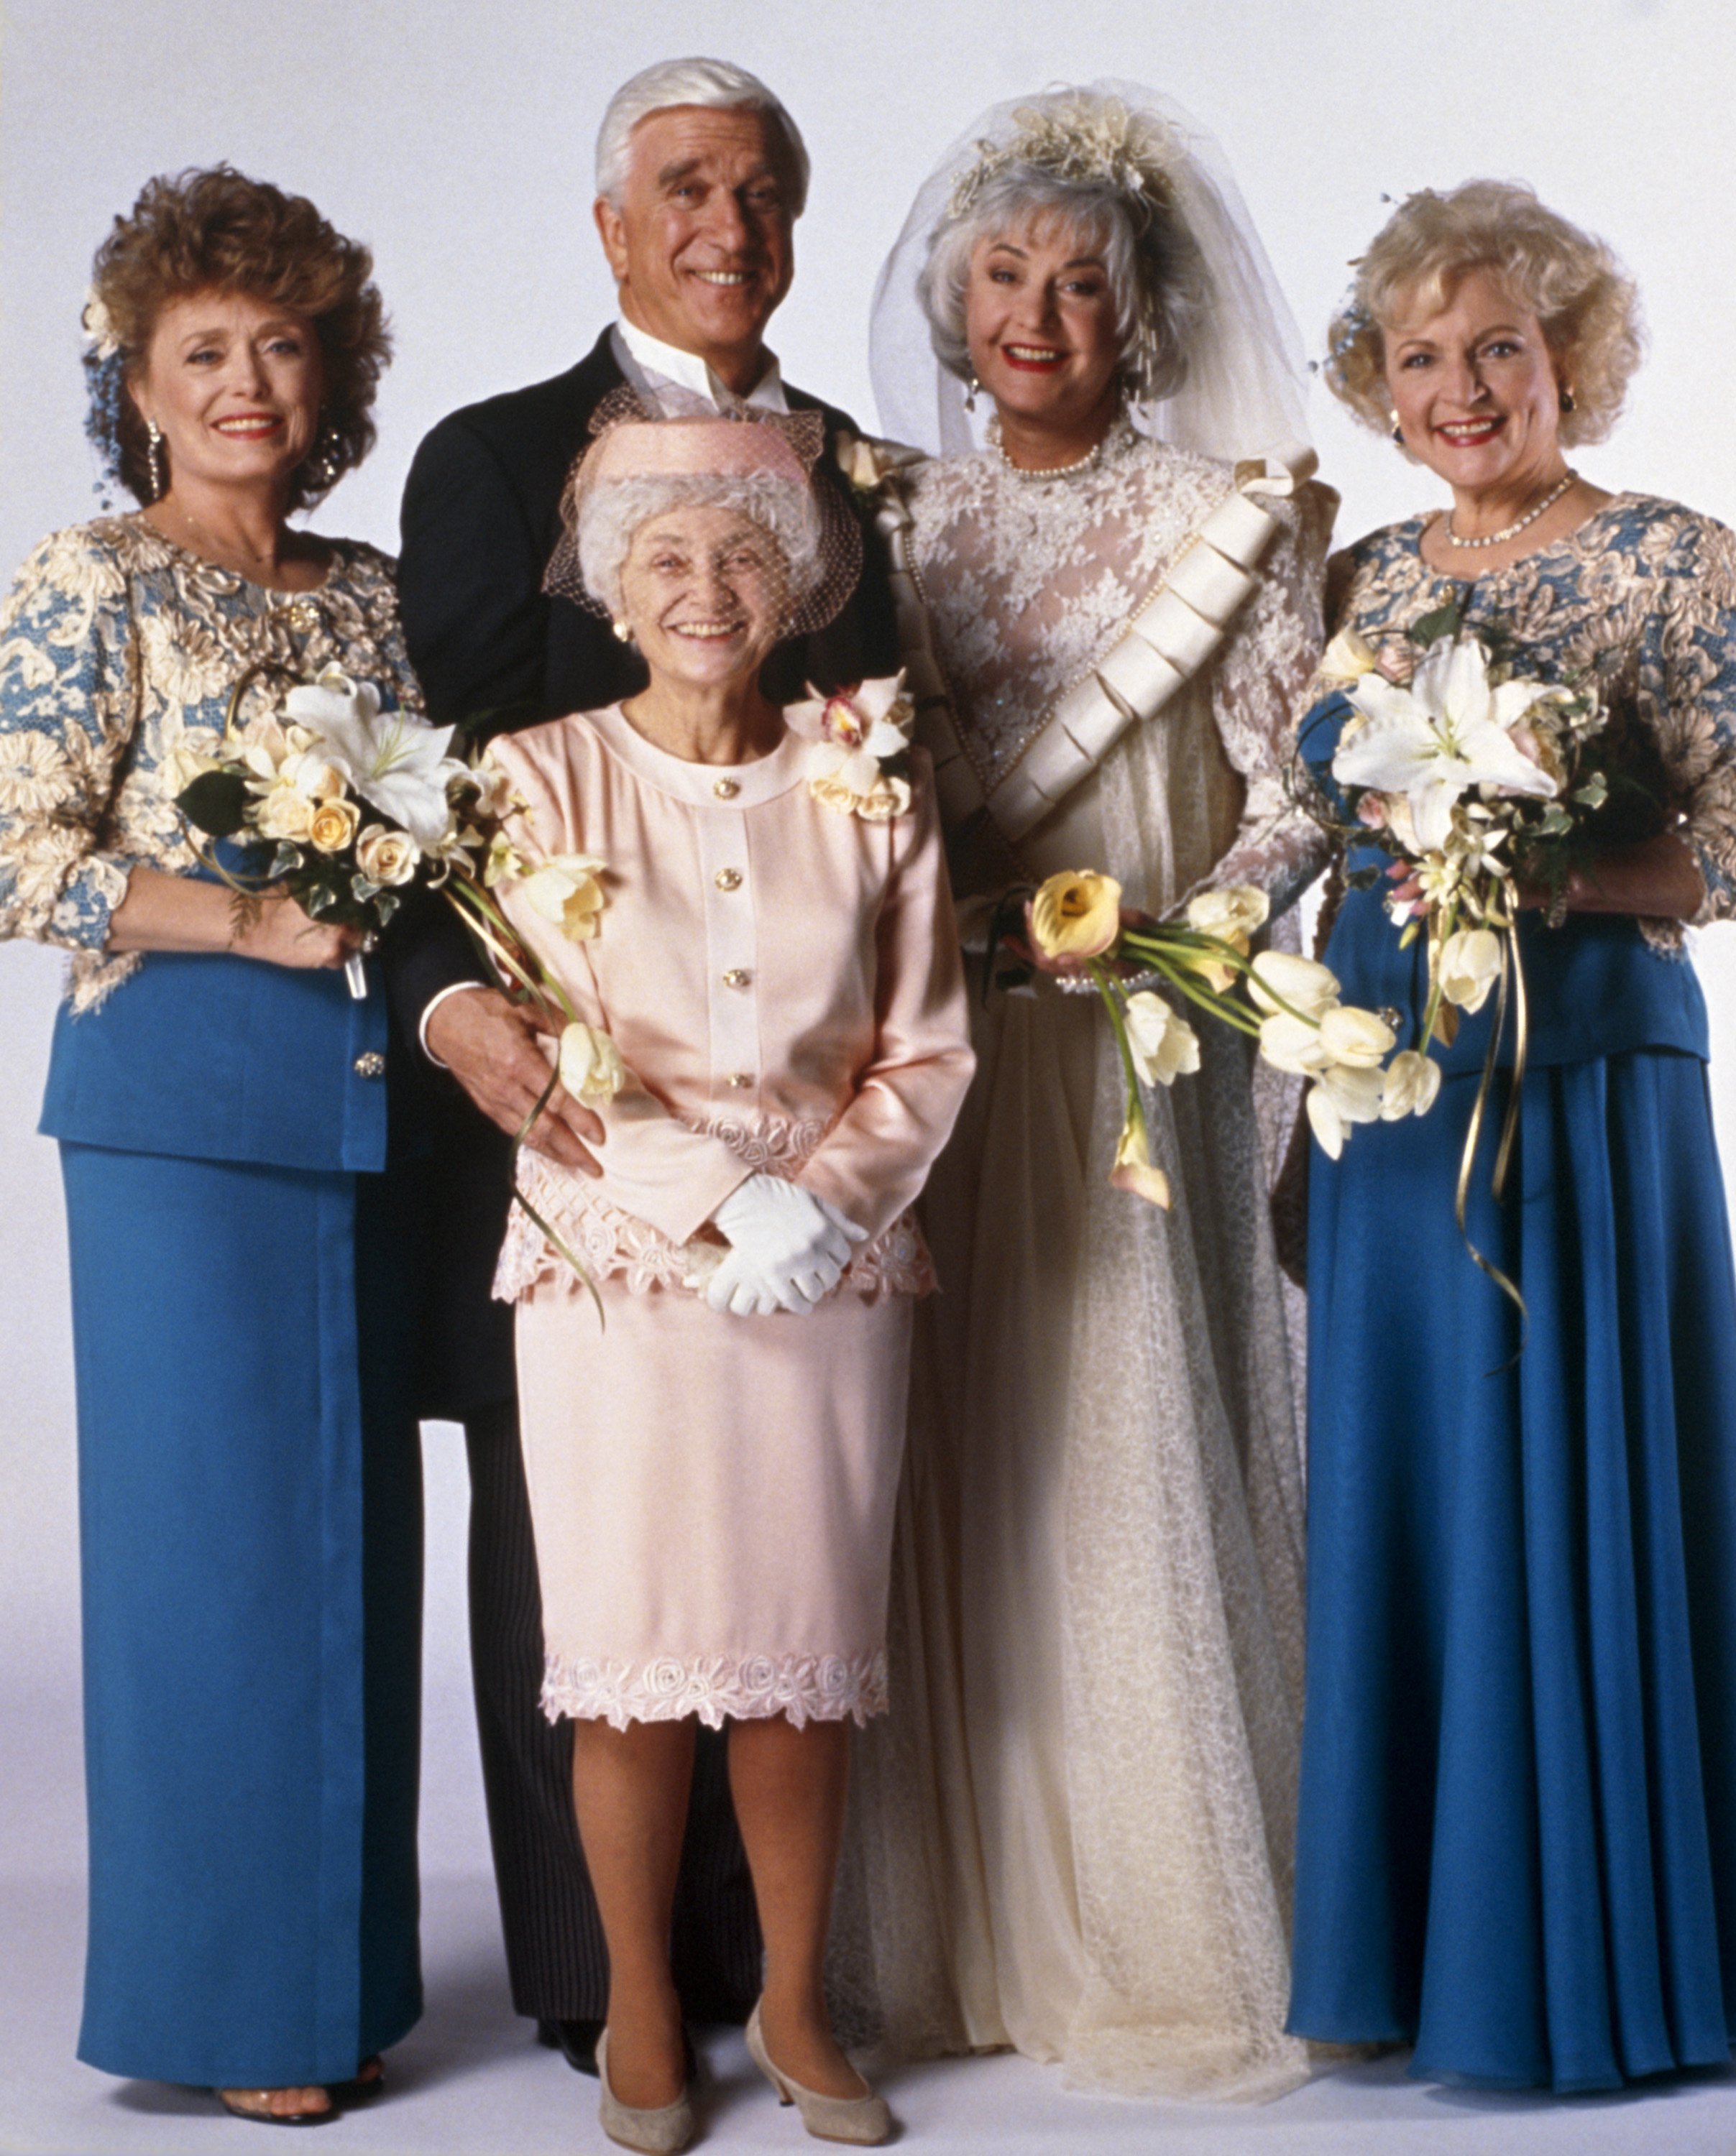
pixel 1072 1833
pixel 1242 391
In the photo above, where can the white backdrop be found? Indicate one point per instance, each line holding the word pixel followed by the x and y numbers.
pixel 455 136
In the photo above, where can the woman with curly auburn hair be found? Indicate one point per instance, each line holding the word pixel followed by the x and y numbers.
pixel 1517 1842
pixel 249 1468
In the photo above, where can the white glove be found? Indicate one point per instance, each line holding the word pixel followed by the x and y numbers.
pixel 787 1249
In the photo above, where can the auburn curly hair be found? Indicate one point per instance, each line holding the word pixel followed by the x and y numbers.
pixel 1588 307
pixel 215 227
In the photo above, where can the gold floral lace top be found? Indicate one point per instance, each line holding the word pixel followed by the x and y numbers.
pixel 118 651
pixel 1641 599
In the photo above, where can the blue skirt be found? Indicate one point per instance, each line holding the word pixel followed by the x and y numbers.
pixel 1518 1828
pixel 250 1524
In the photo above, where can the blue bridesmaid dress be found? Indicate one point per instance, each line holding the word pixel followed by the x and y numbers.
pixel 1517 1841
pixel 249 1469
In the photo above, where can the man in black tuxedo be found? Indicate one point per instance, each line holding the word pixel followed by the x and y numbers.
pixel 701 176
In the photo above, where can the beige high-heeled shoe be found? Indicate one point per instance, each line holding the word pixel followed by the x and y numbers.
pixel 664 2131
pixel 863 2121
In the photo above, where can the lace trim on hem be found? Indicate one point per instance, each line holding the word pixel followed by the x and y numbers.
pixel 718 1687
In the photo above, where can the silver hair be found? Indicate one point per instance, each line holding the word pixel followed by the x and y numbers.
pixel 610 513
pixel 1155 270
pixel 717 83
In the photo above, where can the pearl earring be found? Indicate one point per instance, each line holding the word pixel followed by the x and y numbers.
pixel 158 463
pixel 623 631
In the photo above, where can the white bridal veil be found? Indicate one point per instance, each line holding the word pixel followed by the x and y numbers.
pixel 1243 391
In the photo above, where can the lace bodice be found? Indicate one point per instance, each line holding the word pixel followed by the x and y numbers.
pixel 1642 599
pixel 1030 578
pixel 118 650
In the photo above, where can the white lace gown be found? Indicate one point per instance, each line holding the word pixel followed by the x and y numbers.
pixel 1074 1833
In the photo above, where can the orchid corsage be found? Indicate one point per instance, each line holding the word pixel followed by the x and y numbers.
pixel 860 762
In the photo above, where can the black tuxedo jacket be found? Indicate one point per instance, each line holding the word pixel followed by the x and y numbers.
pixel 493 652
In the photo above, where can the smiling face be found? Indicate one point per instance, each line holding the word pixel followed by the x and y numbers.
pixel 1476 389
pixel 702 241
pixel 235 384
pixel 1042 325
pixel 704 590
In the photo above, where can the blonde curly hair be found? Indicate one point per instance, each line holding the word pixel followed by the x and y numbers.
pixel 1588 306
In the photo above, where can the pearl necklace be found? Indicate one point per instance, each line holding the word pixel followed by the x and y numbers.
pixel 1511 531
pixel 1029 474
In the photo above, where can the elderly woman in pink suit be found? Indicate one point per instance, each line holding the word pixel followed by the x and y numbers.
pixel 748 909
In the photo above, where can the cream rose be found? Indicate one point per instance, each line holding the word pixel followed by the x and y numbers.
pixel 1075 915
pixel 333 825
pixel 386 857
pixel 285 814
pixel 314 775
pixel 590 1064
pixel 1163 1046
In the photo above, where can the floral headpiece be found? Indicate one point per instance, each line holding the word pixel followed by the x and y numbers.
pixel 1080 138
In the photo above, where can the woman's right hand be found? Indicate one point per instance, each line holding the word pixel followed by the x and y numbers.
pixel 277 931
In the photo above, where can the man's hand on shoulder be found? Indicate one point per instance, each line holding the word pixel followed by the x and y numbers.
pixel 496 1052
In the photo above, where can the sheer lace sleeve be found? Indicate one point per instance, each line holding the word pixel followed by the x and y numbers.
pixel 1256 692
pixel 66 716
pixel 1692 678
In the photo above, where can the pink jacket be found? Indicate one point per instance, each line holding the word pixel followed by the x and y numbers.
pixel 782 977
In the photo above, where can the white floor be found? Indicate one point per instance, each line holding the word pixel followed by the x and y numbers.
pixel 470 2083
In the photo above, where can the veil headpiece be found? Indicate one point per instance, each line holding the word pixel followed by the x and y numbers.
pixel 763 463
pixel 1243 388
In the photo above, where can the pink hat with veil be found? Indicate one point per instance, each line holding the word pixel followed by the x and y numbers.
pixel 760 464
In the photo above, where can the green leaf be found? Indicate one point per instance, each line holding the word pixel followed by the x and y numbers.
pixel 215 803
pixel 1443 622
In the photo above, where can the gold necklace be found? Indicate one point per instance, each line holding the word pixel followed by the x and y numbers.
pixel 1511 531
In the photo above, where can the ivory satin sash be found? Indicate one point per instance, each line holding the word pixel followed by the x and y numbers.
pixel 1173 634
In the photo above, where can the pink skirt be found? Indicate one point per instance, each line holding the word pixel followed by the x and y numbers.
pixel 713 1497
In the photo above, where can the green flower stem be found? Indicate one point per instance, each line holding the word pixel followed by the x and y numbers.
pixel 1218 1007
pixel 1136 1106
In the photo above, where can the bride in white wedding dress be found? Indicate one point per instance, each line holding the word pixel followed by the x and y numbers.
pixel 1074 1833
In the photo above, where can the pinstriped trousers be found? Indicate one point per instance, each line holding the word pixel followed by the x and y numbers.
pixel 556 1958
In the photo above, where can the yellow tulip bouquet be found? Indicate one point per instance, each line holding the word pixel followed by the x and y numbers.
pixel 1075 924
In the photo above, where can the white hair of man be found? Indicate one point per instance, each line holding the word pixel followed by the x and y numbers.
pixel 714 82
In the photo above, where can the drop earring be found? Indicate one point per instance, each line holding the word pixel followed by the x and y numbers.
pixel 324 465
pixel 1398 431
pixel 157 462
pixel 1569 403
pixel 971 387
pixel 623 631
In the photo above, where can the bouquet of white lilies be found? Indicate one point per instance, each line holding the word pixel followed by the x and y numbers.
pixel 1480 784
pixel 1473 779
pixel 346 807
pixel 1075 924
pixel 332 799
